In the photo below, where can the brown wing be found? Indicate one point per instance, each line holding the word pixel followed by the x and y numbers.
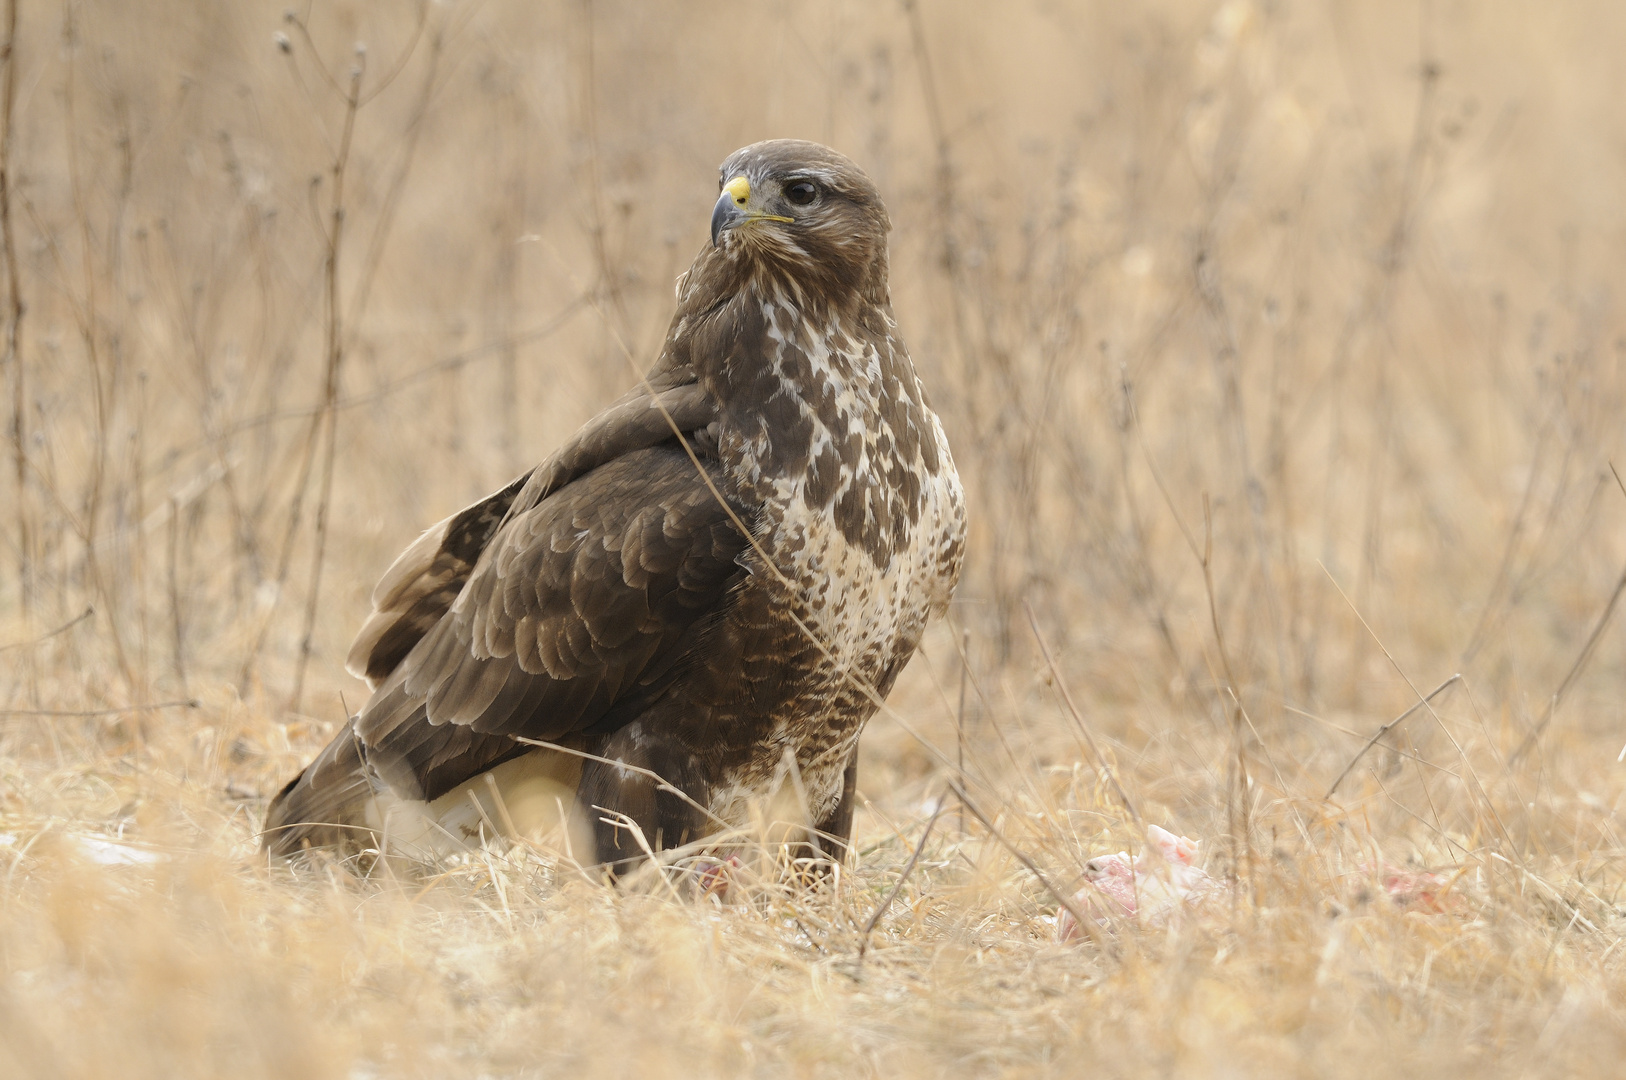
pixel 420 586
pixel 578 615
pixel 422 582
pixel 322 804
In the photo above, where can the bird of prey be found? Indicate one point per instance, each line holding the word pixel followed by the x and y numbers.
pixel 700 598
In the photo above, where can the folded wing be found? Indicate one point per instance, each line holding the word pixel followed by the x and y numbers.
pixel 421 584
pixel 579 615
pixel 564 603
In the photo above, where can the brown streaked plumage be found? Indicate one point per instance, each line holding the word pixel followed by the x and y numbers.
pixel 608 602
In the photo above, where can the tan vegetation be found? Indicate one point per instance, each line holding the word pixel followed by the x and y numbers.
pixel 1280 348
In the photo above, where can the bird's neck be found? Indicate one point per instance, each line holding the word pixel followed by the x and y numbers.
pixel 793 342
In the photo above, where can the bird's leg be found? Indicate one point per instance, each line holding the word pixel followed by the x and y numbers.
pixel 667 818
pixel 834 833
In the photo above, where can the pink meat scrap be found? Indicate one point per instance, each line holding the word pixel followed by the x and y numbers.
pixel 1163 880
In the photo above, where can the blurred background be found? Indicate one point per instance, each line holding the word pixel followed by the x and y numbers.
pixel 1280 345
pixel 1343 274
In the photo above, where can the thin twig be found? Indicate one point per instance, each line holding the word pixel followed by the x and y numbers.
pixel 177 625
pixel 626 821
pixel 188 703
pixel 454 362
pixel 104 378
pixel 286 553
pixel 908 868
pixel 406 53
pixel 609 279
pixel 1352 733
pixel 329 418
pixel 370 262
pixel 1598 627
pixel 64 628
pixel 660 781
pixel 1236 795
pixel 1067 697
pixel 1385 729
pixel 959 714
pixel 14 320
pixel 1088 925
pixel 1462 754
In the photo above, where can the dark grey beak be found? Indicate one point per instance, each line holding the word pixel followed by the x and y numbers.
pixel 725 215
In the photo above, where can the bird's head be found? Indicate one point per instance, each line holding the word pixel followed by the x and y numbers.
pixel 802 210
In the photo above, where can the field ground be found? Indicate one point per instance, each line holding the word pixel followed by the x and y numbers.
pixel 1281 350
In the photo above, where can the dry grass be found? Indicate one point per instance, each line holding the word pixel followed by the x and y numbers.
pixel 1280 349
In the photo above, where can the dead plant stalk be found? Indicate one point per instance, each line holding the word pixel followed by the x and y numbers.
pixel 14 322
pixel 327 423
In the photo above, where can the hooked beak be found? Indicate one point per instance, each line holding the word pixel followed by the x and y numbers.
pixel 734 208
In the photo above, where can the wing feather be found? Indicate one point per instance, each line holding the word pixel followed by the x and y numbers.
pixel 427 578
pixel 524 614
pixel 582 606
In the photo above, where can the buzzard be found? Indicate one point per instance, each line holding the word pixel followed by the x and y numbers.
pixel 700 598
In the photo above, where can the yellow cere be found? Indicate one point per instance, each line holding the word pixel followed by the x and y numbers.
pixel 739 189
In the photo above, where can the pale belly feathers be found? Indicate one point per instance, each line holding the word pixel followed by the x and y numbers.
pixel 867 608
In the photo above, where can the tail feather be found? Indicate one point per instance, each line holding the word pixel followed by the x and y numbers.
pixel 339 803
pixel 324 806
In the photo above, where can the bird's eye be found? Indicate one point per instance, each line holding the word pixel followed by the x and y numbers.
pixel 801 193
